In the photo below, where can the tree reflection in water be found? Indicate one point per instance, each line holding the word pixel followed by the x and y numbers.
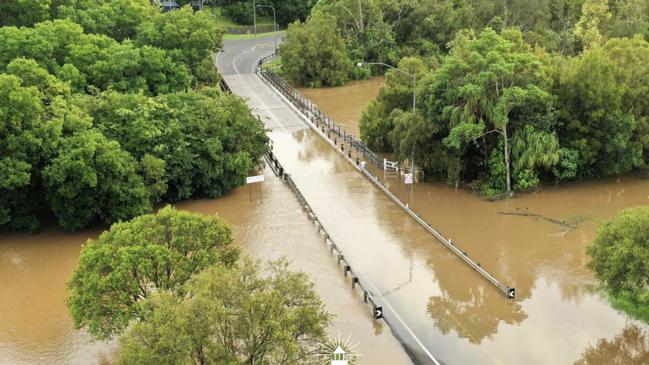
pixel 475 317
pixel 631 347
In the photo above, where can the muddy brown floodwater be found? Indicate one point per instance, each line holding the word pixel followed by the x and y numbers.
pixel 268 223
pixel 557 317
pixel 346 103
pixel 558 312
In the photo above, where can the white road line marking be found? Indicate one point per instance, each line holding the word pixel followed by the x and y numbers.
pixel 383 299
pixel 254 94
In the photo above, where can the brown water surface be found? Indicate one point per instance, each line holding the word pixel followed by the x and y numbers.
pixel 558 313
pixel 558 316
pixel 35 327
pixel 346 103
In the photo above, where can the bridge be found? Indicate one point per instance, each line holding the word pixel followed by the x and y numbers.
pixel 377 244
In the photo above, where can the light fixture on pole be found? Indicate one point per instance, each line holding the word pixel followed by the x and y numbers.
pixel 274 22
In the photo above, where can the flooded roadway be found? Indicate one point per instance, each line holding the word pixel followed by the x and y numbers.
pixel 268 223
pixel 456 313
pixel 453 312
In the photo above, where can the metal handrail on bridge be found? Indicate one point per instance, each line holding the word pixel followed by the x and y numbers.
pixel 280 172
pixel 318 122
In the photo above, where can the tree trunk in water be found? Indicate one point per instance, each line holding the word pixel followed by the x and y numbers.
pixel 509 178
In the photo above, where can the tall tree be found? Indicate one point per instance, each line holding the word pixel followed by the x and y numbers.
pixel 620 256
pixel 136 259
pixel 314 54
pixel 488 86
pixel 245 314
pixel 594 15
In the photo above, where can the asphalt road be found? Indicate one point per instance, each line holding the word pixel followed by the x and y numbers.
pixel 240 57
pixel 324 183
pixel 237 65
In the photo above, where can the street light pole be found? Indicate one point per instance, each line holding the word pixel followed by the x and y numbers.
pixel 274 22
pixel 414 108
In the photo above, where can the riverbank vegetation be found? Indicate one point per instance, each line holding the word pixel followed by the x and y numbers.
pixel 510 94
pixel 103 115
pixel 172 287
pixel 620 260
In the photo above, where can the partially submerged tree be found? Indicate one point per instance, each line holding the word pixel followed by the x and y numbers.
pixel 314 54
pixel 136 259
pixel 490 86
pixel 620 256
pixel 238 315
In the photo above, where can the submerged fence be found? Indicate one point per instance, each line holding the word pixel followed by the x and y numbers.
pixel 346 144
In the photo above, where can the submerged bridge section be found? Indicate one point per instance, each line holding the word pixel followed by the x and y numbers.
pixel 354 150
pixel 361 225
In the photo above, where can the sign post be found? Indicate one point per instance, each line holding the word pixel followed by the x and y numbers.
pixel 408 179
pixel 253 180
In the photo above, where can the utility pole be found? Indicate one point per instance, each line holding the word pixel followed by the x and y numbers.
pixel 254 16
pixel 274 21
pixel 414 114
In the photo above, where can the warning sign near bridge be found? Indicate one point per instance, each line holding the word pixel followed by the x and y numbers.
pixel 254 179
pixel 408 179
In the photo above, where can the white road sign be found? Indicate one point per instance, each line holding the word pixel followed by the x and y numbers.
pixel 408 178
pixel 254 179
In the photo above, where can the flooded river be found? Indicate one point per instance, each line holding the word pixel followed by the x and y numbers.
pixel 355 96
pixel 558 316
pixel 558 312
pixel 268 223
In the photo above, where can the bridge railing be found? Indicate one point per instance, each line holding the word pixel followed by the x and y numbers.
pixel 339 138
pixel 332 128
pixel 356 280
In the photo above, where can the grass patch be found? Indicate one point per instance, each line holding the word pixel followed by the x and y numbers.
pixel 274 65
pixel 236 37
pixel 228 23
pixel 624 304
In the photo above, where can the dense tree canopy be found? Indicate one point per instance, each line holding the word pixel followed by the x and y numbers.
pixel 511 93
pixel 620 256
pixel 92 177
pixel 207 148
pixel 287 11
pixel 98 116
pixel 246 314
pixel 133 260
pixel 605 94
pixel 118 19
pixel 314 54
pixel 379 119
pixel 189 38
